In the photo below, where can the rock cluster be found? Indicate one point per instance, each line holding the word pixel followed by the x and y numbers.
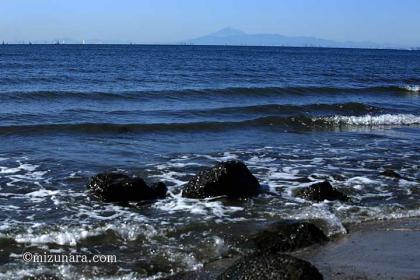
pixel 233 180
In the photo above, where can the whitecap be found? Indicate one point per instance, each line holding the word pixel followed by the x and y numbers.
pixel 412 88
pixel 372 120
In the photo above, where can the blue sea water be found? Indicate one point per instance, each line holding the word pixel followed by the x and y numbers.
pixel 293 115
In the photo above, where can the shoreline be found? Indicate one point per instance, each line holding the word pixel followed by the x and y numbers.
pixel 373 250
pixel 385 249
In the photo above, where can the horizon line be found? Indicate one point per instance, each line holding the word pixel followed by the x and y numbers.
pixel 29 43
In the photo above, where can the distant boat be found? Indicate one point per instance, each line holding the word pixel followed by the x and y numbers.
pixel 83 42
pixel 30 43
pixel 57 43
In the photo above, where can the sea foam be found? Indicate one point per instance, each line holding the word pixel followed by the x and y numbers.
pixel 412 88
pixel 372 120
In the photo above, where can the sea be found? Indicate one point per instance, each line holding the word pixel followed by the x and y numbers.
pixel 294 116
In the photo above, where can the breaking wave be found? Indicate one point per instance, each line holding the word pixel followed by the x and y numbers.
pixel 412 88
pixel 299 122
pixel 380 120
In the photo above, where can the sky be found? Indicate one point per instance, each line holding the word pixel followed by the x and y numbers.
pixel 171 21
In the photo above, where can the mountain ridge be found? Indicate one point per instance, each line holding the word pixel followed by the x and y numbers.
pixel 236 37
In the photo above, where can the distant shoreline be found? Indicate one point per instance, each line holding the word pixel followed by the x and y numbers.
pixel 198 45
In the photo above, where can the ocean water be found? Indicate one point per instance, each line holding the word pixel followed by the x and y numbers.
pixel 293 115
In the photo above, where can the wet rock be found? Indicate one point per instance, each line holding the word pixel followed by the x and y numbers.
pixel 7 246
pixel 320 191
pixel 231 178
pixel 45 276
pixel 390 173
pixel 288 236
pixel 271 266
pixel 189 275
pixel 116 187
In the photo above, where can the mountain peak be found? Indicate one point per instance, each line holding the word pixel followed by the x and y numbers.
pixel 231 36
pixel 228 31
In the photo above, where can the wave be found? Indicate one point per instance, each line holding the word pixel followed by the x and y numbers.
pixel 263 108
pixel 412 88
pixel 211 92
pixel 369 120
pixel 298 122
pixel 287 109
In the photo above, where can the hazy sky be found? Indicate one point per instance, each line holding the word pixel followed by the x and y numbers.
pixel 160 21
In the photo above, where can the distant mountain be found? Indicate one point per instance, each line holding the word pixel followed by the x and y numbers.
pixel 230 36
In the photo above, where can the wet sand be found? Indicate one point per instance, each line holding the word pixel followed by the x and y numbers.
pixel 375 250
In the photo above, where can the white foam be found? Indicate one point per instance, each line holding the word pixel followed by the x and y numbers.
pixel 42 194
pixel 219 245
pixel 60 238
pixel 179 164
pixel 412 88
pixel 317 160
pixel 358 187
pixel 404 183
pixel 171 177
pixel 72 235
pixel 288 174
pixel 256 160
pixel 372 120
pixel 226 156
pixel 6 170
pixel 205 207
pixel 22 167
pixel 361 180
pixel 321 211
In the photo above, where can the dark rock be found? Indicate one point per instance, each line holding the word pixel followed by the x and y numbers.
pixel 390 173
pixel 231 178
pixel 116 187
pixel 41 277
pixel 7 247
pixel 271 266
pixel 320 191
pixel 189 275
pixel 288 236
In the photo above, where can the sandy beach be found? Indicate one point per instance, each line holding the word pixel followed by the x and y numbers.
pixel 375 250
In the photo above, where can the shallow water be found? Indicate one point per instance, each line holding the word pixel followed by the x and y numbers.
pixel 293 115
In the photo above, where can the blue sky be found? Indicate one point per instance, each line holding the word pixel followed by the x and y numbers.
pixel 161 21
